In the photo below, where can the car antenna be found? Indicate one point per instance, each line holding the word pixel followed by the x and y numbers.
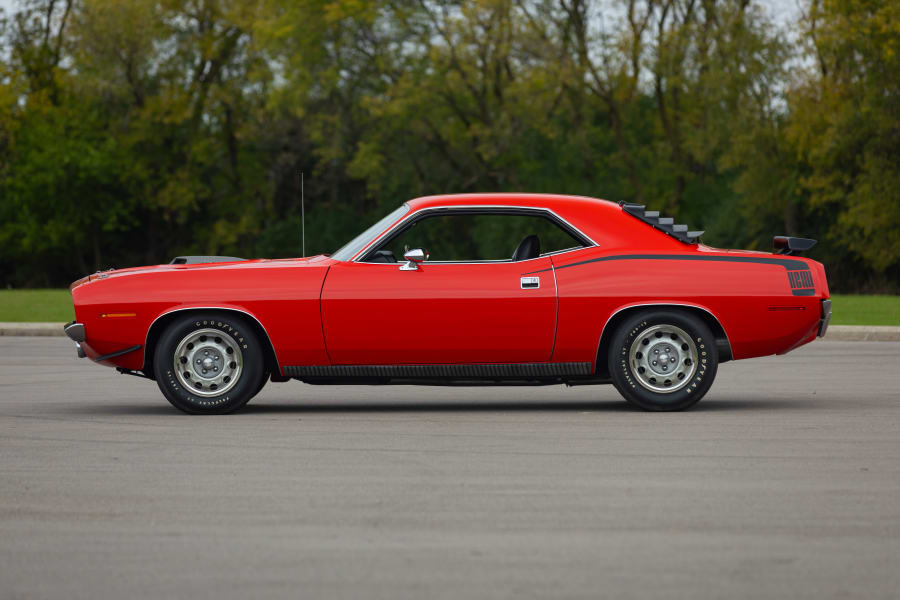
pixel 302 219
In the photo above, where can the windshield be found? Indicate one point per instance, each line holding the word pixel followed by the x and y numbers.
pixel 350 249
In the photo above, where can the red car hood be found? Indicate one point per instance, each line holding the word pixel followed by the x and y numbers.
pixel 241 264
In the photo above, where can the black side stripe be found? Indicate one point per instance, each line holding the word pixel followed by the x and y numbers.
pixel 787 263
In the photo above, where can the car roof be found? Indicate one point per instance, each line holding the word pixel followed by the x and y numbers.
pixel 550 201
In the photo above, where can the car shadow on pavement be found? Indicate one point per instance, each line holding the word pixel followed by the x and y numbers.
pixel 358 407
pixel 469 406
pixel 755 404
pixel 439 406
pixel 760 404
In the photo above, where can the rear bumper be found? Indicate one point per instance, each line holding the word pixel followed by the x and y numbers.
pixel 826 317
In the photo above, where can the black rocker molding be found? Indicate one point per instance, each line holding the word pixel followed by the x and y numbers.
pixel 454 371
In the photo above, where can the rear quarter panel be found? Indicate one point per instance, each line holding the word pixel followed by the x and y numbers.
pixel 753 301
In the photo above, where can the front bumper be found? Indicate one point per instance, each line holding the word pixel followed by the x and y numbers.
pixel 75 332
pixel 826 317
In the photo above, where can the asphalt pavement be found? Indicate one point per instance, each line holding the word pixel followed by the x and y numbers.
pixel 783 483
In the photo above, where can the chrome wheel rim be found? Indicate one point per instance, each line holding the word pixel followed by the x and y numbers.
pixel 208 362
pixel 663 358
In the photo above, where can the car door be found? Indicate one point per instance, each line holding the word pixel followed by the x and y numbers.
pixel 376 314
pixel 469 303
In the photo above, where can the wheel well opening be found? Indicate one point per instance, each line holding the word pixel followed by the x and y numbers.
pixel 157 328
pixel 722 343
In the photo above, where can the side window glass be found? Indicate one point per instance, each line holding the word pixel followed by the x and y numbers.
pixel 465 237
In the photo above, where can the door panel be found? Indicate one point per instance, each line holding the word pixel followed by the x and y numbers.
pixel 376 314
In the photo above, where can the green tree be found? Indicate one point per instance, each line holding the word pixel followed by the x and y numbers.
pixel 845 125
pixel 134 130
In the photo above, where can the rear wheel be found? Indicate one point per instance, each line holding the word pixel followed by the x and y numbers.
pixel 209 363
pixel 663 360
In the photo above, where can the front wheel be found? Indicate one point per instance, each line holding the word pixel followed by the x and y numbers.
pixel 209 363
pixel 663 360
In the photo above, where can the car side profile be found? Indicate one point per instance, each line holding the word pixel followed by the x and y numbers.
pixel 472 289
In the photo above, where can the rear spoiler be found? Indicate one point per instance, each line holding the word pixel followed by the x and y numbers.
pixel 791 245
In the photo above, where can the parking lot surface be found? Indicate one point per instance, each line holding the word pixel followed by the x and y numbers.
pixel 784 482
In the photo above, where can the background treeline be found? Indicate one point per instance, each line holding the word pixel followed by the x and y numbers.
pixel 135 130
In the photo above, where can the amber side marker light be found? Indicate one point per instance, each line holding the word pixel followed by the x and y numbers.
pixel 110 315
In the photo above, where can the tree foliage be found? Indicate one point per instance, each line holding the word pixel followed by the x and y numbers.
pixel 135 130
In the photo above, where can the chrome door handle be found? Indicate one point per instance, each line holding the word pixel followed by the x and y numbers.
pixel 530 283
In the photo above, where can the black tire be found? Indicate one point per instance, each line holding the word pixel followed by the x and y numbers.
pixel 640 333
pixel 262 383
pixel 236 333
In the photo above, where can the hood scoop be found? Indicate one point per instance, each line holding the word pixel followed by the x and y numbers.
pixel 202 260
pixel 665 224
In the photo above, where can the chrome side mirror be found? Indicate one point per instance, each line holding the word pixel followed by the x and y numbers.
pixel 413 258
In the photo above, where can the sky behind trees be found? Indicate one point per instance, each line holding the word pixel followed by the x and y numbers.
pixel 135 130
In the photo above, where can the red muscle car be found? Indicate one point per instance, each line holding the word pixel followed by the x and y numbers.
pixel 461 289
